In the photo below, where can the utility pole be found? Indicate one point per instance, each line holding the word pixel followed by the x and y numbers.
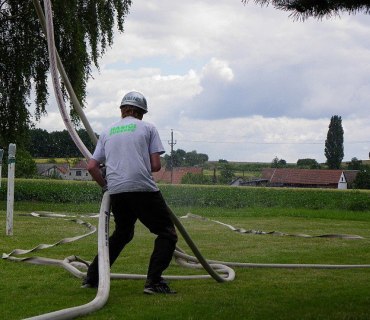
pixel 1 162
pixel 10 197
pixel 172 143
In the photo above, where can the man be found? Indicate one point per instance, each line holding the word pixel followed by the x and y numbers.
pixel 130 150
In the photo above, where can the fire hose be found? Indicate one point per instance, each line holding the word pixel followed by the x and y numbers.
pixel 221 271
pixel 103 234
pixel 82 147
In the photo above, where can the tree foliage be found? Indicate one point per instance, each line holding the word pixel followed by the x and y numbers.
pixel 308 164
pixel 278 163
pixel 303 9
pixel 355 164
pixel 362 180
pixel 56 144
pixel 25 166
pixel 334 150
pixel 83 31
pixel 226 173
pixel 181 158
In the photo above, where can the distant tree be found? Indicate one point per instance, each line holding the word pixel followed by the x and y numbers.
pixel 226 173
pixel 308 163
pixel 56 144
pixel 282 163
pixel 275 162
pixel 38 143
pixel 62 145
pixel 355 164
pixel 193 158
pixel 278 163
pixel 181 158
pixel 175 159
pixel 362 180
pixel 222 161
pixel 334 150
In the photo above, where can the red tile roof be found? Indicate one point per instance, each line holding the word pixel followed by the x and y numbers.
pixel 351 175
pixel 82 164
pixel 164 175
pixel 302 176
pixel 62 169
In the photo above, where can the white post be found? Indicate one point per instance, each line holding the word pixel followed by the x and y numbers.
pixel 1 162
pixel 10 201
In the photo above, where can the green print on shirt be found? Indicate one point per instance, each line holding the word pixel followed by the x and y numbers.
pixel 127 128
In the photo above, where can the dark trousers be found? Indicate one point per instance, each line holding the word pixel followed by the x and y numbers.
pixel 151 209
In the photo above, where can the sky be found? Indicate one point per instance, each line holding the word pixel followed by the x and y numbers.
pixel 237 82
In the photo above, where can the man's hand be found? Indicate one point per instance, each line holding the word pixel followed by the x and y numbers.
pixel 93 167
pixel 103 170
pixel 105 188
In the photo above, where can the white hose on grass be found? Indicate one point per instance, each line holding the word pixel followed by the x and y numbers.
pixel 273 233
pixel 74 263
pixel 104 273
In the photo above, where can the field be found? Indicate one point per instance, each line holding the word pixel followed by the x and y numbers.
pixel 55 160
pixel 256 293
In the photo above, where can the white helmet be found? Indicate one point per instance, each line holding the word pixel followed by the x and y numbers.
pixel 136 99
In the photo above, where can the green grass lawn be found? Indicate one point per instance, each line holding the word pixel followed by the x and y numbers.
pixel 27 290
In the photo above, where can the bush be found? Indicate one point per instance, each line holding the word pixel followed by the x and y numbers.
pixel 59 191
pixel 48 190
pixel 241 197
pixel 25 166
pixel 308 164
pixel 196 178
pixel 362 180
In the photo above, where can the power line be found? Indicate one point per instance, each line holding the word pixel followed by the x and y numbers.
pixel 268 143
pixel 250 142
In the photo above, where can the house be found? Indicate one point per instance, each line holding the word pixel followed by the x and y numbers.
pixel 309 178
pixel 164 175
pixel 239 181
pixel 79 172
pixel 350 176
pixel 52 170
pixel 65 171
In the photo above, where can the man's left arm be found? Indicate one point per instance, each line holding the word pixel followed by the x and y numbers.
pixel 155 162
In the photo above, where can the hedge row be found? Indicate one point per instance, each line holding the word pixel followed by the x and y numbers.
pixel 239 197
pixel 201 196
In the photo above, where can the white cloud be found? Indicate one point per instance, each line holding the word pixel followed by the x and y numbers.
pixel 52 122
pixel 218 69
pixel 239 82
pixel 262 139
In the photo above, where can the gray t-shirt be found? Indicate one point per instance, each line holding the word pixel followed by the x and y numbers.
pixel 125 148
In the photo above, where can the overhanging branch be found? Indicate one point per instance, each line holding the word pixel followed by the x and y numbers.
pixel 303 9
